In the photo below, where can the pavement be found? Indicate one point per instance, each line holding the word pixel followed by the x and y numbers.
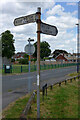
pixel 18 84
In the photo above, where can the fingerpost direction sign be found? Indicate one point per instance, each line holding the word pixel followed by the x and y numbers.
pixel 41 28
pixel 48 29
pixel 25 19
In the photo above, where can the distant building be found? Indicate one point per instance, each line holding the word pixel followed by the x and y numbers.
pixel 61 58
pixel 71 57
pixel 20 55
pixel 66 57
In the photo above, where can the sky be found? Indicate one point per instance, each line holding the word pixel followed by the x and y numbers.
pixel 63 15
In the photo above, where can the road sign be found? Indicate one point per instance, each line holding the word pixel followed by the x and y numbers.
pixel 48 29
pixel 29 49
pixel 25 19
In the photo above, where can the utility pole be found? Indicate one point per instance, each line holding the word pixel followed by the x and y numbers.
pixel 38 60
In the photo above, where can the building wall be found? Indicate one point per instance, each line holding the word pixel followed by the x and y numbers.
pixel 61 58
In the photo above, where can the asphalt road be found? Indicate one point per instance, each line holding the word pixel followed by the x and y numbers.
pixel 18 84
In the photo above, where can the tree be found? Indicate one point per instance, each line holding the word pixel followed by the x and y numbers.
pixel 26 56
pixel 44 49
pixel 0 47
pixel 8 48
pixel 23 61
pixel 57 52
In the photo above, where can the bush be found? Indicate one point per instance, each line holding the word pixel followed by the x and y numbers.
pixel 23 61
pixel 34 60
pixel 12 60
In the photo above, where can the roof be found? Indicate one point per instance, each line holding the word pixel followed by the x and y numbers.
pixel 58 55
pixel 66 56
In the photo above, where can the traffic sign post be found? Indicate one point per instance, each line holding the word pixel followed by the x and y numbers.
pixel 29 49
pixel 41 28
pixel 38 61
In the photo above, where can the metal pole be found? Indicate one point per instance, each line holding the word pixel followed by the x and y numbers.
pixel 29 56
pixel 38 61
pixel 77 48
pixel 29 80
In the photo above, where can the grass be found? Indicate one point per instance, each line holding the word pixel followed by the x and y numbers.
pixel 9 90
pixel 61 102
pixel 73 74
pixel 0 71
pixel 17 68
pixel 15 109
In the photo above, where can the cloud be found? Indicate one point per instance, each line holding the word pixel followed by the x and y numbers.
pixel 71 3
pixel 58 9
pixel 51 14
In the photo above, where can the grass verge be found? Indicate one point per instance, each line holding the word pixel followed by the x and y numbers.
pixel 61 102
pixel 15 109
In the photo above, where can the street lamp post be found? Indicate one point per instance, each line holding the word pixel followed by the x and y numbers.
pixel 77 48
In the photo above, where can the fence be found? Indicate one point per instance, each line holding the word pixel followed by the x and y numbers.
pixel 51 86
pixel 24 68
pixel 44 89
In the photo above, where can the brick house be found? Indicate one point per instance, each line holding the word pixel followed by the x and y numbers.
pixel 66 57
pixel 61 57
pixel 20 55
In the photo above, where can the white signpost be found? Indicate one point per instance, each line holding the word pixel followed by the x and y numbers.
pixel 48 29
pixel 41 28
pixel 25 19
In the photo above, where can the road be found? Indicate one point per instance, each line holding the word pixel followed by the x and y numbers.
pixel 18 84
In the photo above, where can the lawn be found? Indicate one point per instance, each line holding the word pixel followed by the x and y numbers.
pixel 25 68
pixel 60 102
pixel 15 109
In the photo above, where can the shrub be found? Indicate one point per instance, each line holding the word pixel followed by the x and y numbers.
pixel 34 60
pixel 23 61
pixel 12 60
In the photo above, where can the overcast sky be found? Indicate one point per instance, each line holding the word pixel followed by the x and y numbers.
pixel 63 15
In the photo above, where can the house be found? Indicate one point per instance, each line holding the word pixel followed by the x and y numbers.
pixel 66 57
pixel 76 54
pixel 71 57
pixel 20 55
pixel 61 58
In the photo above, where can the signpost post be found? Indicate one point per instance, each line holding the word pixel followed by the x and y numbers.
pixel 29 49
pixel 77 48
pixel 41 28
pixel 38 61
